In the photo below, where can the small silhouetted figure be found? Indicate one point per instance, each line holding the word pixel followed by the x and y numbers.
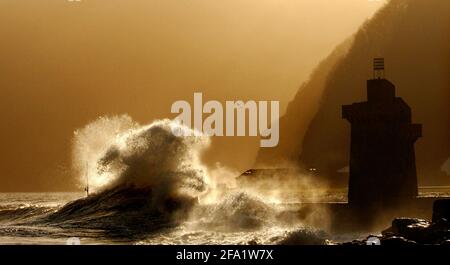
pixel 382 159
pixel 86 189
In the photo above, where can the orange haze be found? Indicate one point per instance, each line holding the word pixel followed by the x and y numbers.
pixel 65 63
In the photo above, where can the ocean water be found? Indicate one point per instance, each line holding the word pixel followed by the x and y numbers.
pixel 53 218
pixel 40 218
pixel 149 186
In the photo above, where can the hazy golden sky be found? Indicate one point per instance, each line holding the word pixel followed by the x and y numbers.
pixel 65 63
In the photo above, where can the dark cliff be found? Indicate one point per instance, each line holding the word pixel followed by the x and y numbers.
pixel 414 37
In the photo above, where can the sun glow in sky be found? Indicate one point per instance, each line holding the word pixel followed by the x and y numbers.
pixel 66 63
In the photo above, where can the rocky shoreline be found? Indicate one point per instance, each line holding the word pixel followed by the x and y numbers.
pixel 415 231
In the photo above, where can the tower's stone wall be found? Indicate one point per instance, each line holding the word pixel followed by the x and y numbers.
pixel 382 160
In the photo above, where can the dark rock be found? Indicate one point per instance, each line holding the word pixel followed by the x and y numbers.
pixel 418 230
pixel 408 231
pixel 402 224
pixel 406 226
pixel 446 242
pixel 441 210
pixel 396 241
pixel 409 228
pixel 304 237
pixel 354 243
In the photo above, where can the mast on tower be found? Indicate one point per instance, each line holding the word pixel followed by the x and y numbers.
pixel 378 68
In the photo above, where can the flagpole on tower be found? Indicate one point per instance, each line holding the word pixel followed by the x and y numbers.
pixel 378 68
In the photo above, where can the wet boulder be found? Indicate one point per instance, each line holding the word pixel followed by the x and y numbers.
pixel 419 230
pixel 441 210
pixel 413 229
pixel 304 237
pixel 396 241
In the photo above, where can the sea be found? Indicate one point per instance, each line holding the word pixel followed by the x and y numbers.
pixel 70 218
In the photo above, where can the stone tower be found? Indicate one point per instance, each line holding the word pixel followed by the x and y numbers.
pixel 382 160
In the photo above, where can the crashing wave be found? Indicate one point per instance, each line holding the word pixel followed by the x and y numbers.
pixel 147 182
pixel 145 179
pixel 236 212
